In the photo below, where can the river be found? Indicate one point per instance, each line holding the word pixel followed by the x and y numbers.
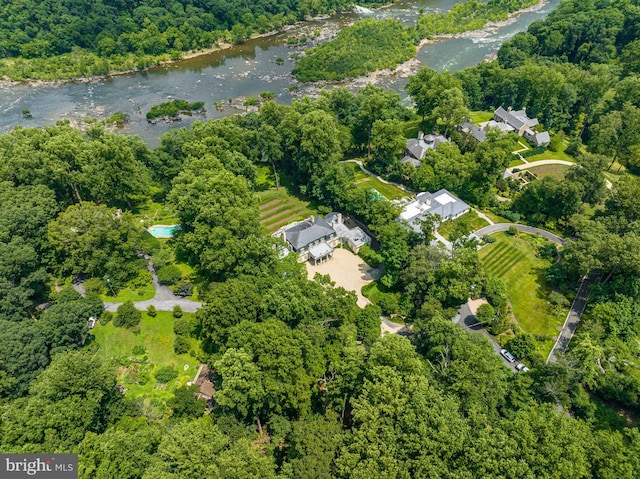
pixel 237 72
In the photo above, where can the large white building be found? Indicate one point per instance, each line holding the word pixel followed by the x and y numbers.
pixel 442 203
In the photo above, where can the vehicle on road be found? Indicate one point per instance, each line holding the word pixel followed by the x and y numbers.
pixel 508 356
pixel 522 368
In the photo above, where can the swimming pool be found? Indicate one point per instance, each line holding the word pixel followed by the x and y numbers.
pixel 163 231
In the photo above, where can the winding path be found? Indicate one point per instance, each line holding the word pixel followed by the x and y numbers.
pixel 487 230
pixel 371 173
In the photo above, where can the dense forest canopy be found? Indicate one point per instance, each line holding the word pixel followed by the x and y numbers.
pixel 75 38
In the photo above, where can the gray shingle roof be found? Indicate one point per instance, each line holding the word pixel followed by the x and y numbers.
pixel 308 231
pixel 474 130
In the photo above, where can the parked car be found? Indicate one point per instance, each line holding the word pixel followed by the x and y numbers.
pixel 522 368
pixel 508 356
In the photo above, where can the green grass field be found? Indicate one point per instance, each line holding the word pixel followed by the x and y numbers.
pixel 480 116
pixel 152 213
pixel 156 336
pixel 468 222
pixel 278 208
pixel 368 182
pixel 557 171
pixel 513 259
pixel 553 155
pixel 495 218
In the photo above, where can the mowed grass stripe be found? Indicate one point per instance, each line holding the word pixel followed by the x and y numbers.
pixel 504 262
pixel 272 211
pixel 495 255
pixel 284 212
pixel 503 269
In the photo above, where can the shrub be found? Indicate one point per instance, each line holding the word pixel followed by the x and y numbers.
pixel 485 314
pixel 170 274
pixel 166 374
pixel 106 317
pixel 513 231
pixel 138 350
pixel 95 286
pixel 549 251
pixel 370 256
pixel 151 311
pixel 182 327
pixel 183 289
pixel 163 257
pixel 68 294
pixel 523 346
pixel 181 345
pixel 127 316
pixel 142 280
pixel 558 300
pixel 488 239
pixel 177 311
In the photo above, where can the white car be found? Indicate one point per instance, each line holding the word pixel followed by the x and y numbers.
pixel 522 368
pixel 508 356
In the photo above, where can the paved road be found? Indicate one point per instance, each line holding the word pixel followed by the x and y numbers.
pixel 487 230
pixel 388 326
pixel 164 300
pixel 468 321
pixel 573 318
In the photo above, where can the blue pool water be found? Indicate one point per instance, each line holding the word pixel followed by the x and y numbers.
pixel 164 231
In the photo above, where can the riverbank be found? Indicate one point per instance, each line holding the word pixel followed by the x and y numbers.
pixel 412 65
pixel 158 61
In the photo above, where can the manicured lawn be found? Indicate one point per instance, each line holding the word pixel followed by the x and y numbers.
pixel 152 213
pixel 516 162
pixel 553 155
pixel 368 182
pixel 480 116
pixel 469 222
pixel 128 294
pixel 557 171
pixel 495 218
pixel 279 207
pixel 513 259
pixel 156 336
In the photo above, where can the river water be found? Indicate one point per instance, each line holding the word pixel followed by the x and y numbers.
pixel 235 73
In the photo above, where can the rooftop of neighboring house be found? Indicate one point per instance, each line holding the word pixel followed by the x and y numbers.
pixel 515 118
pixel 474 130
pixel 418 147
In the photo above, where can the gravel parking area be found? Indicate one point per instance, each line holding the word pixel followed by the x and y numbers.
pixel 347 270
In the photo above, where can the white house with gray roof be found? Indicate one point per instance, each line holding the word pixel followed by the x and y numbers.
pixel 314 238
pixel 442 203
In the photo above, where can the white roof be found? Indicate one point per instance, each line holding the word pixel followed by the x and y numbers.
pixel 320 250
pixel 444 199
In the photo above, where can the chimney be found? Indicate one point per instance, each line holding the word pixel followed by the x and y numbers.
pixel 339 218
pixel 420 135
pixel 509 109
pixel 429 201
